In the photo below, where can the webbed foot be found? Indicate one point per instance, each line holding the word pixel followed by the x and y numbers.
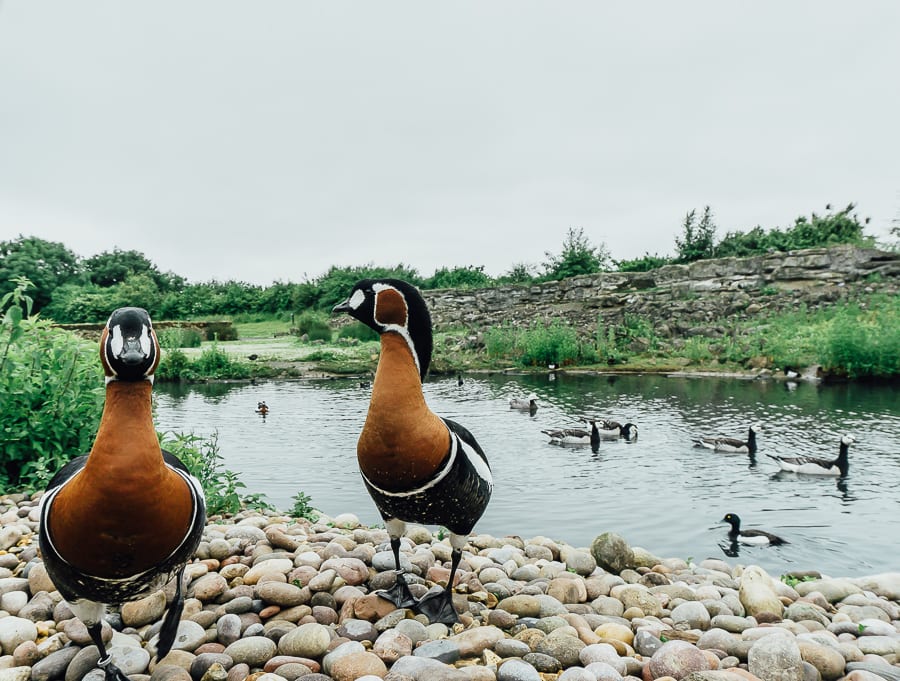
pixel 437 606
pixel 399 594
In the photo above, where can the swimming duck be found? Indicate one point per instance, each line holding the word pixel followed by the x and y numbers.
pixel 262 408
pixel 119 522
pixel 418 467
pixel 528 404
pixel 757 537
pixel 730 444
pixel 812 465
pixel 611 430
pixel 574 436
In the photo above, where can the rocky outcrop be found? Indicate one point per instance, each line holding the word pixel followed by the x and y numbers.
pixel 682 300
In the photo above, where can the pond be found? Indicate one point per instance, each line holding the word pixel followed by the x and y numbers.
pixel 658 492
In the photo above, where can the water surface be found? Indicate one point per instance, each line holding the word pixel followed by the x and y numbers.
pixel 659 492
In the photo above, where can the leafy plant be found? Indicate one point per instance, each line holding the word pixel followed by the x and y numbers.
pixel 359 331
pixel 578 256
pixel 314 325
pixel 697 239
pixel 51 390
pixel 303 507
pixel 180 337
pixel 222 487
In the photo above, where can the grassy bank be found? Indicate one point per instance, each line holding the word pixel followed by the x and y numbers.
pixel 848 340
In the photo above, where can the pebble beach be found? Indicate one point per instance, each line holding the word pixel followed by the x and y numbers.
pixel 276 598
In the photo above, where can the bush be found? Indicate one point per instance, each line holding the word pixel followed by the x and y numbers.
pixel 359 331
pixel 314 325
pixel 302 507
pixel 861 344
pixel 215 363
pixel 174 365
pixel 51 392
pixel 220 485
pixel 180 337
pixel 645 263
pixel 540 345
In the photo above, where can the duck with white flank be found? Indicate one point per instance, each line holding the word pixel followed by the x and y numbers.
pixel 528 404
pixel 731 445
pixel 574 436
pixel 118 523
pixel 417 466
pixel 755 537
pixel 813 465
pixel 612 430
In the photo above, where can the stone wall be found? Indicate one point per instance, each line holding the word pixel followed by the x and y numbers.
pixel 695 299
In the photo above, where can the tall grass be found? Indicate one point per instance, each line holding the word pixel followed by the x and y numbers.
pixel 863 343
pixel 213 363
pixel 540 345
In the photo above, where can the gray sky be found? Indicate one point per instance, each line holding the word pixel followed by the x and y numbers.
pixel 267 141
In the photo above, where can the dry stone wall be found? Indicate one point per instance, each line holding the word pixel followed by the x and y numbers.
pixel 700 298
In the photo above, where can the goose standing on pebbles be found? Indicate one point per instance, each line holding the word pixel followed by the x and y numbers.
pixel 813 465
pixel 731 445
pixel 417 466
pixel 118 523
pixel 756 537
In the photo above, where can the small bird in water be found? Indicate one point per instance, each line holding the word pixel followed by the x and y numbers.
pixel 730 444
pixel 757 537
pixel 262 409
pixel 418 467
pixel 118 523
pixel 529 404
pixel 813 465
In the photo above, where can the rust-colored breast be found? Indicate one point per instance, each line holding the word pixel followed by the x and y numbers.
pixel 403 442
pixel 123 530
pixel 125 510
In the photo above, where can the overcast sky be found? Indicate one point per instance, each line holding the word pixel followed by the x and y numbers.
pixel 264 141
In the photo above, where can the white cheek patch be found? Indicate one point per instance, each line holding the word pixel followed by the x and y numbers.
pixel 116 341
pixel 356 299
pixel 146 343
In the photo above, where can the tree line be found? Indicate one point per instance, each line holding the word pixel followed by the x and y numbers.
pixel 70 289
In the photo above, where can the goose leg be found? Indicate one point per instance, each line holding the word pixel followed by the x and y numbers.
pixel 438 606
pixel 173 617
pixel 111 671
pixel 399 594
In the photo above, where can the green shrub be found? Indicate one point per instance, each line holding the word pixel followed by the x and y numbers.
pixel 551 344
pixel 645 263
pixel 862 344
pixel 174 365
pixel 314 325
pixel 51 392
pixel 220 485
pixel 302 507
pixel 216 363
pixel 500 342
pixel 359 331
pixel 179 337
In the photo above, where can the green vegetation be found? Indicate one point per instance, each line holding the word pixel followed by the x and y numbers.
pixel 864 343
pixel 539 346
pixel 213 363
pixel 71 290
pixel 314 325
pixel 221 486
pixel 51 389
pixel 303 507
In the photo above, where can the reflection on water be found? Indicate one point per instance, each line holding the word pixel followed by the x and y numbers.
pixel 658 492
